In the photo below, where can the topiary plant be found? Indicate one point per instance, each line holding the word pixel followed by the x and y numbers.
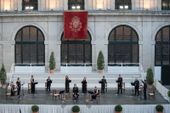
pixel 52 61
pixel 3 74
pixel 169 93
pixel 75 109
pixel 35 108
pixel 118 108
pixel 100 61
pixel 159 108
pixel 149 77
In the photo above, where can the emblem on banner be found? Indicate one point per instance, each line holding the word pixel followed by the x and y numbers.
pixel 75 24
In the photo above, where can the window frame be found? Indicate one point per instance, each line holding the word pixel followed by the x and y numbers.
pixel 38 43
pixel 114 41
pixel 76 42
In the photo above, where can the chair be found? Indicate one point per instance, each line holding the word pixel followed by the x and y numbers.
pixel 8 91
pixel 57 94
pixel 151 92
pixel 123 87
pixel 29 87
pixel 106 87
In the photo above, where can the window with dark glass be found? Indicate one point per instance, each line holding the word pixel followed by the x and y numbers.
pixel 76 4
pixel 165 4
pixel 162 47
pixel 123 46
pixel 123 4
pixel 29 47
pixel 76 52
pixel 29 4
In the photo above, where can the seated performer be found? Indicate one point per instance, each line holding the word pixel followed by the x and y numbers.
pixel 49 81
pixel 75 92
pixel 119 84
pixel 12 89
pixel 103 83
pixel 18 83
pixel 95 93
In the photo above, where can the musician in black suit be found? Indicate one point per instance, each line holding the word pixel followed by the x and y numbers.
pixel 119 84
pixel 48 81
pixel 18 83
pixel 75 92
pixel 32 84
pixel 95 93
pixel 144 89
pixel 84 85
pixel 136 84
pixel 103 83
pixel 67 84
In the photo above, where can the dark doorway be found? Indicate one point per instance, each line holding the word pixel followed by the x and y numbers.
pixel 165 75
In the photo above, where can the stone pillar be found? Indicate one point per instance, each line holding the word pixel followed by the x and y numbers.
pixel 46 56
pixel 93 43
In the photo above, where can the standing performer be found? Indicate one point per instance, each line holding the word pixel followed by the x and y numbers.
pixel 18 83
pixel 32 84
pixel 119 84
pixel 67 84
pixel 136 83
pixel 103 83
pixel 49 81
pixel 84 85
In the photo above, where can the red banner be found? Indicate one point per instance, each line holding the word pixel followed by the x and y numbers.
pixel 75 25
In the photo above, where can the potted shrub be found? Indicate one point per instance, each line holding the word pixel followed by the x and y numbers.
pixel 149 77
pixel 159 108
pixel 52 63
pixel 35 109
pixel 100 62
pixel 75 109
pixel 169 94
pixel 3 76
pixel 118 108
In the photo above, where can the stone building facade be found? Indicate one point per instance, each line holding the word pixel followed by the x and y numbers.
pixel 145 24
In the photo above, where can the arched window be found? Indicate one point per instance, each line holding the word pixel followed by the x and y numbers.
pixel 123 4
pixel 29 48
pixel 162 47
pixel 76 52
pixel 165 4
pixel 123 45
pixel 29 4
pixel 76 4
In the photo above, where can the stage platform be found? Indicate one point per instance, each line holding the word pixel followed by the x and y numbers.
pixel 109 98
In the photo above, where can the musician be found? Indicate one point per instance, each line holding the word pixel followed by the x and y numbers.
pixel 67 84
pixel 48 81
pixel 95 93
pixel 84 85
pixel 75 92
pixel 144 89
pixel 32 84
pixel 12 89
pixel 136 84
pixel 18 83
pixel 103 83
pixel 119 84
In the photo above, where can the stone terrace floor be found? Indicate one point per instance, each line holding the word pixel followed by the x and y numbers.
pixel 111 97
